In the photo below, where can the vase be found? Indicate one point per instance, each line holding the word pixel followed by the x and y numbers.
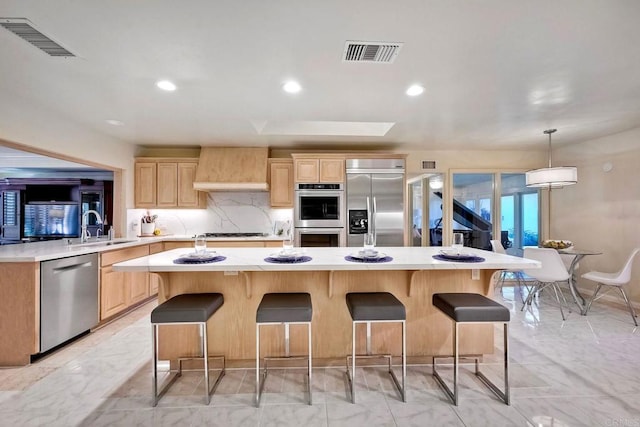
pixel 147 228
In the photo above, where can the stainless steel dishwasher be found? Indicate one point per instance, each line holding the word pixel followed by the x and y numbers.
pixel 68 298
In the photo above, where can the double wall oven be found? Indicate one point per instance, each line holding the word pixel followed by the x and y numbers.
pixel 319 215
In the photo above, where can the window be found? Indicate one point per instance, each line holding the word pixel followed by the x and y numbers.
pixel 472 208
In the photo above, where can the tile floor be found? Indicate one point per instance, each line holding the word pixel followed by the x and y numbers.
pixel 581 372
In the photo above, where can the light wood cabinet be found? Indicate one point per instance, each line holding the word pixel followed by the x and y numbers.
pixel 167 183
pixel 187 196
pixel 154 248
pixel 138 287
pixel 281 183
pixel 113 292
pixel 145 184
pixel 331 170
pixel 319 170
pixel 213 245
pixel 120 290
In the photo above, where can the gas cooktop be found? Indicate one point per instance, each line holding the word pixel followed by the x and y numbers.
pixel 235 234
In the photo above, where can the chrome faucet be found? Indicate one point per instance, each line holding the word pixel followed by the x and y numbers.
pixel 85 217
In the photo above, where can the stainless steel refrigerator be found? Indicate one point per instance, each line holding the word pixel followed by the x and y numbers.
pixel 375 200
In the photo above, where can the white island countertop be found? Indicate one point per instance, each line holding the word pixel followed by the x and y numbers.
pixel 252 259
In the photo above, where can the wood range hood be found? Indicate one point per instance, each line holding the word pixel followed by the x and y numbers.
pixel 232 169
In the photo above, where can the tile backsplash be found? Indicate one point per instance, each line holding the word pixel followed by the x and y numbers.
pixel 226 212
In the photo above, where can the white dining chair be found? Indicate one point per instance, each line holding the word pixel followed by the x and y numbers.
pixel 497 247
pixel 551 273
pixel 615 280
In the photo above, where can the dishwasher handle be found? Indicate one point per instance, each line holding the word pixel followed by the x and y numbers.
pixel 72 267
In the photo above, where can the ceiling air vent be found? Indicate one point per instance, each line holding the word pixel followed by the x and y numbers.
pixel 25 30
pixel 381 52
pixel 428 164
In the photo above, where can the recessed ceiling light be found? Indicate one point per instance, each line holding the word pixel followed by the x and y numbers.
pixel 292 87
pixel 166 85
pixel 415 90
pixel 113 122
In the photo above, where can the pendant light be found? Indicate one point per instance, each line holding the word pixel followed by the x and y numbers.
pixel 551 177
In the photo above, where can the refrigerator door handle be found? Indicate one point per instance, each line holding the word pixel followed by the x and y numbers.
pixel 369 222
pixel 375 212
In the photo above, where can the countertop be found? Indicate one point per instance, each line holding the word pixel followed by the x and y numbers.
pixel 252 259
pixel 54 249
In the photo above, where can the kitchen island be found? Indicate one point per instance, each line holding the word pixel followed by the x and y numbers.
pixel 413 276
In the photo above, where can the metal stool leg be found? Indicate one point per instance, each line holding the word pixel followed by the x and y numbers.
pixel 205 352
pixel 257 365
pixel 310 373
pixel 455 365
pixel 154 341
pixel 453 395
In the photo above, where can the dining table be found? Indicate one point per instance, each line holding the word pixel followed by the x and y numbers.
pixel 578 254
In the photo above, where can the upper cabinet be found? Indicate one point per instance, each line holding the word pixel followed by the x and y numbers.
pixel 281 183
pixel 318 169
pixel 167 183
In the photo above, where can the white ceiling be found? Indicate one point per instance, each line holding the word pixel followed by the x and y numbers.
pixel 496 72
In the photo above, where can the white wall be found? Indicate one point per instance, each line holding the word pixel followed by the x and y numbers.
pixel 471 159
pixel 34 126
pixel 602 211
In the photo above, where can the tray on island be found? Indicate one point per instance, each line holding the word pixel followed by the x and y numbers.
pixel 452 255
pixel 199 258
pixel 287 258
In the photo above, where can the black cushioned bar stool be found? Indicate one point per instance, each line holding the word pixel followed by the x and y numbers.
pixel 283 309
pixel 473 308
pixel 375 307
pixel 186 309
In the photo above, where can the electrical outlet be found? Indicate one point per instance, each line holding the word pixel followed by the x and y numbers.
pixel 475 274
pixel 135 226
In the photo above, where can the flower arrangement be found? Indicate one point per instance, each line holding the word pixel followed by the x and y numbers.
pixel 148 218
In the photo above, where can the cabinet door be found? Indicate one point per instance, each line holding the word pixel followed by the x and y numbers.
pixel 154 248
pixel 331 170
pixel 138 286
pixel 145 184
pixel 306 170
pixel 167 188
pixel 281 185
pixel 187 196
pixel 113 292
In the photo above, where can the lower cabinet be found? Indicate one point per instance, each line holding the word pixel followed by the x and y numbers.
pixel 113 292
pixel 213 245
pixel 154 248
pixel 120 290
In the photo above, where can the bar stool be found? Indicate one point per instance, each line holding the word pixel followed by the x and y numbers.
pixel 375 307
pixel 472 308
pixel 286 309
pixel 186 309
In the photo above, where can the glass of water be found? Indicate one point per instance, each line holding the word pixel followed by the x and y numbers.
pixel 458 242
pixel 200 244
pixel 287 244
pixel 369 243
